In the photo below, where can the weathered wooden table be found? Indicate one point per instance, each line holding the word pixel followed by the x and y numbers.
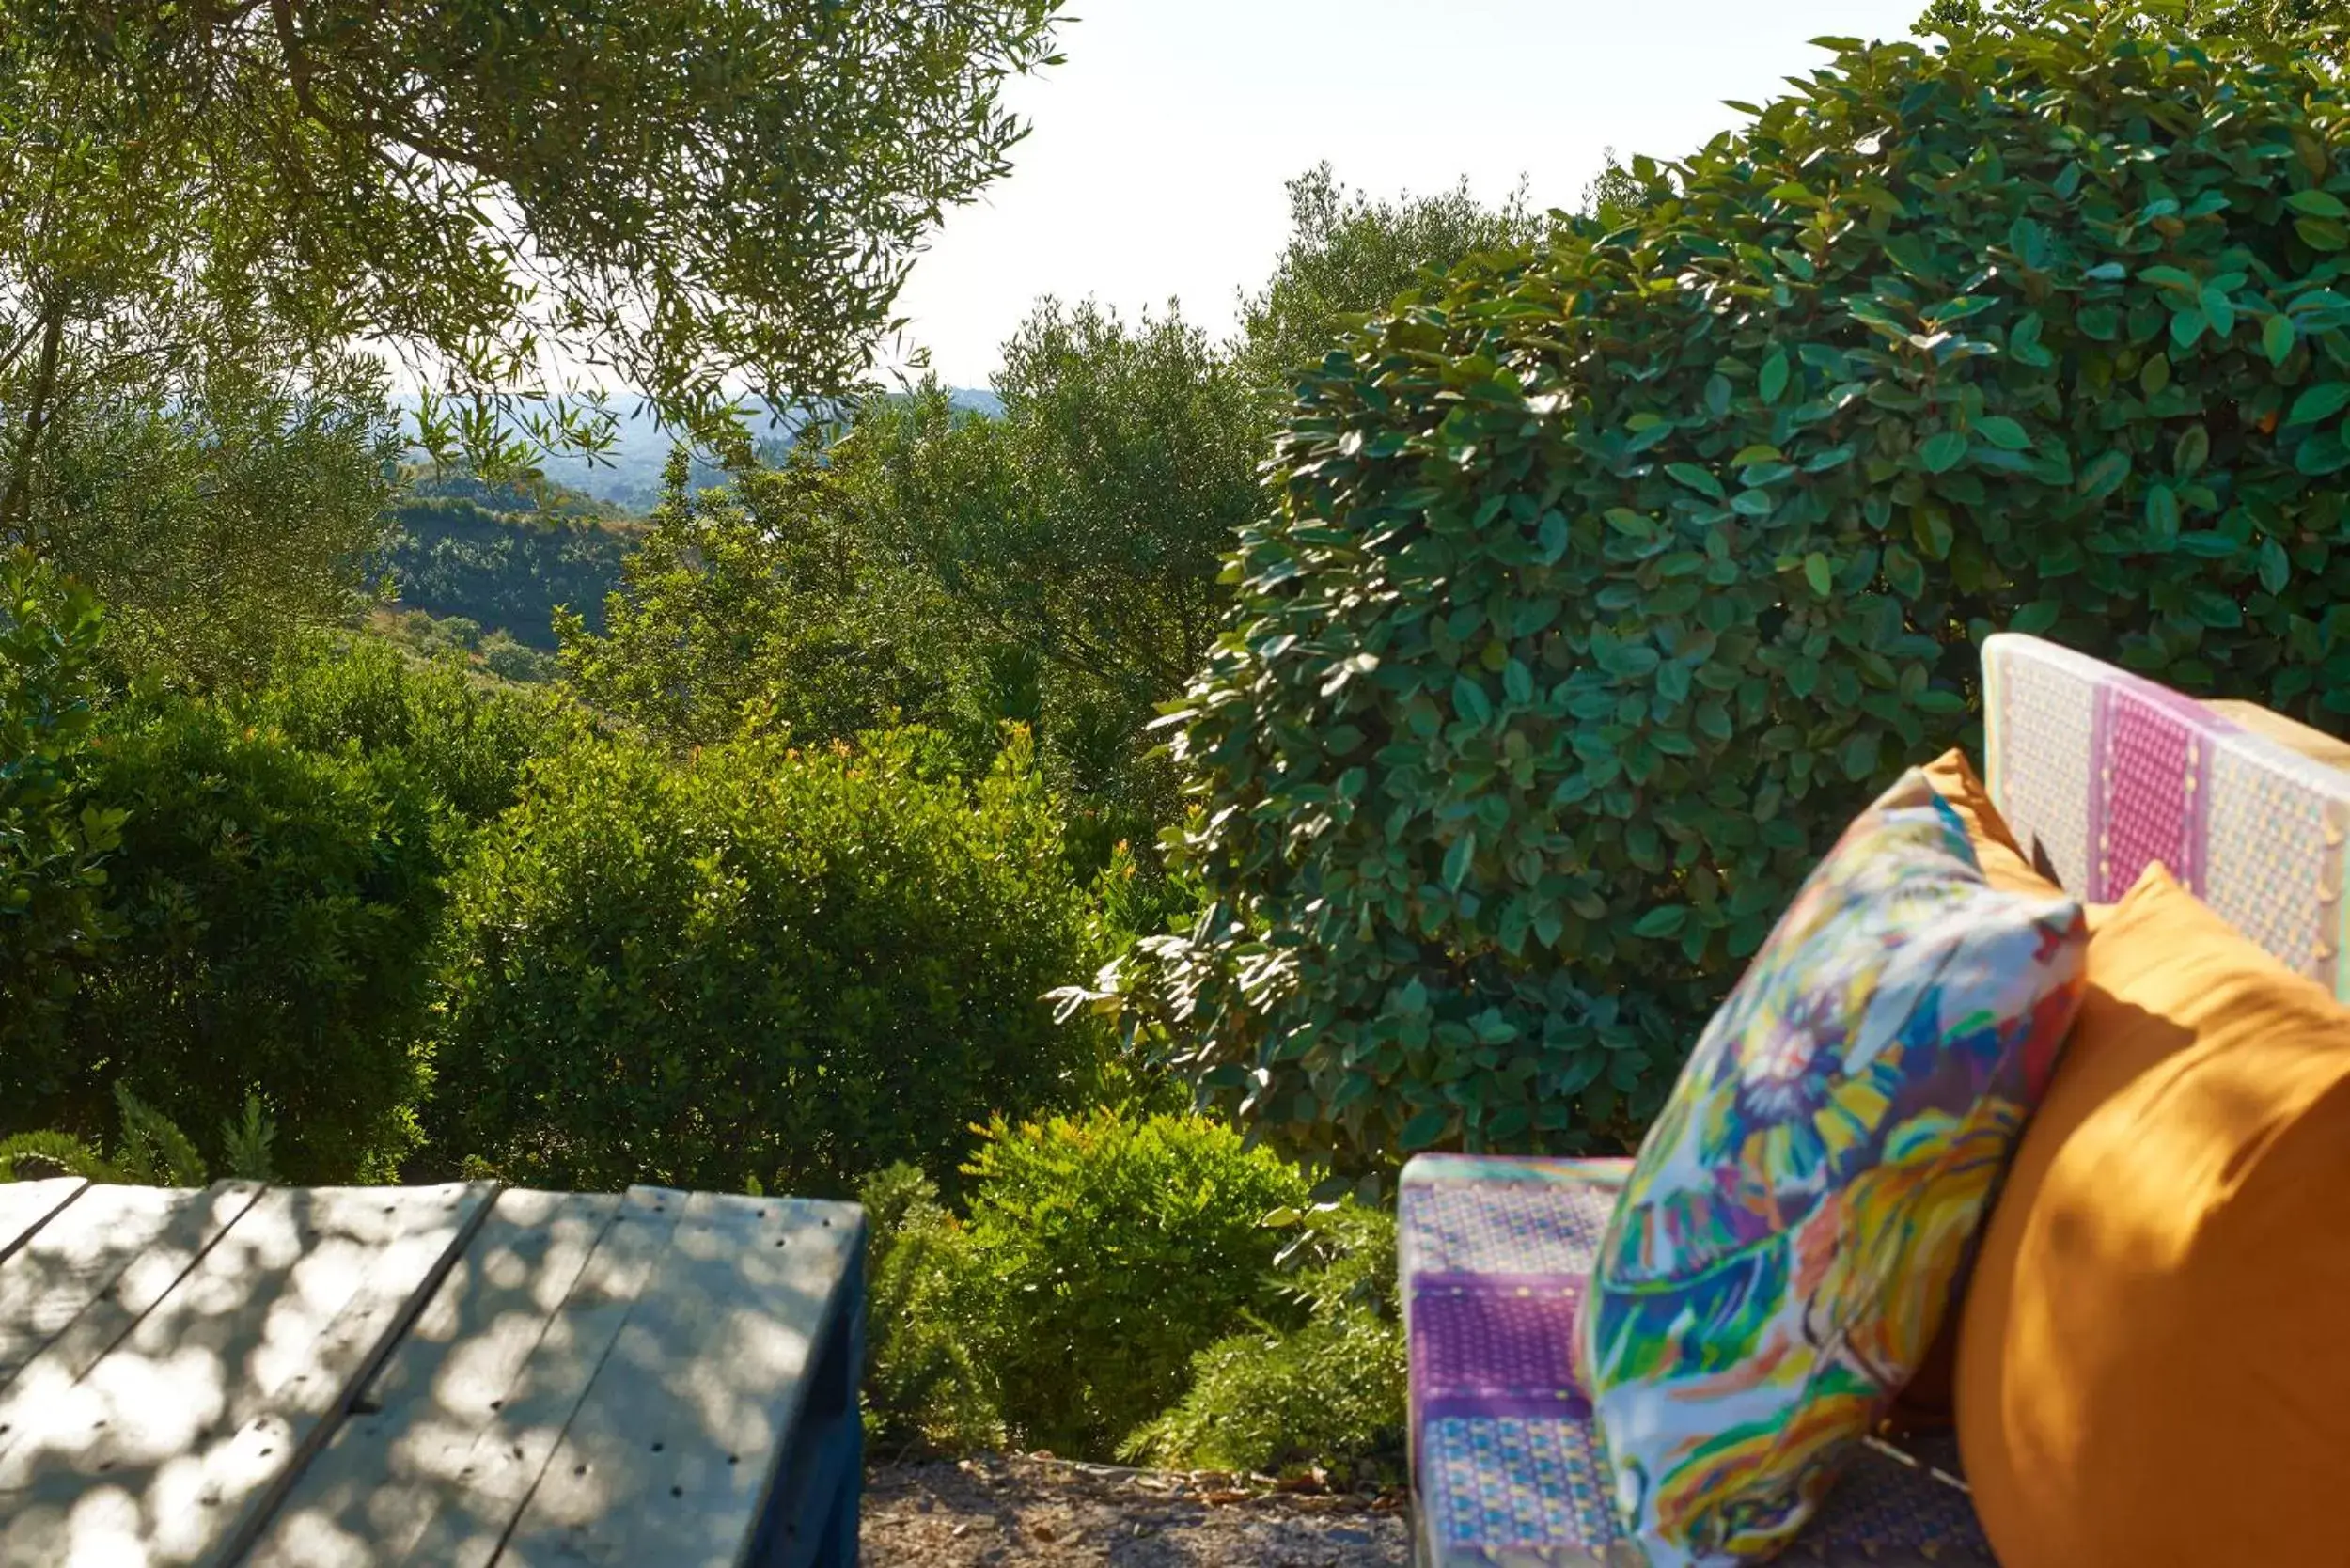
pixel 357 1377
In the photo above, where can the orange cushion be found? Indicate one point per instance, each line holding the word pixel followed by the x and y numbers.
pixel 2004 864
pixel 2152 1362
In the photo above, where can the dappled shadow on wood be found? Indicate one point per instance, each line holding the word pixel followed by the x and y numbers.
pixel 159 1420
pixel 379 1376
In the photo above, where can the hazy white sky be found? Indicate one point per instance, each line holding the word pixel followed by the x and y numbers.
pixel 1156 164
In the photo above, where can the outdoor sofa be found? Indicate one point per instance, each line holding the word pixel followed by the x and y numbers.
pixel 2098 774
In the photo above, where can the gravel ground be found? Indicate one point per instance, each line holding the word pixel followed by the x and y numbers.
pixel 1013 1509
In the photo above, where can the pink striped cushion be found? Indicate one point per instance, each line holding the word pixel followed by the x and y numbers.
pixel 2099 772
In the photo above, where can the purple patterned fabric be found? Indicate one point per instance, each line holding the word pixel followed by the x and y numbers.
pixel 2153 751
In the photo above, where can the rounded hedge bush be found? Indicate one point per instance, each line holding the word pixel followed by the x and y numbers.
pixel 1607 581
pixel 760 963
pixel 274 917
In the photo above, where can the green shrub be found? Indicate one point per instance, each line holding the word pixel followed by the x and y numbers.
pixel 469 743
pixel 38 1156
pixel 1115 1247
pixel 1606 582
pixel 928 1382
pixel 150 1150
pixel 757 963
pixel 54 841
pixel 278 911
pixel 509 660
pixel 1327 1395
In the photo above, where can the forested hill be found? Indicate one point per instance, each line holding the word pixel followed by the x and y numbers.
pixel 502 559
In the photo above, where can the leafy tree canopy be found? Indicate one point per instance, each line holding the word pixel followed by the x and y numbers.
pixel 1348 256
pixel 1088 522
pixel 686 197
pixel 2264 20
pixel 749 605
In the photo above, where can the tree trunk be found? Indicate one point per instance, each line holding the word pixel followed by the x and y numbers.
pixel 16 507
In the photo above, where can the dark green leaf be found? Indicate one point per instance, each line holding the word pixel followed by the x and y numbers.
pixel 2276 570
pixel 2104 472
pixel 1423 1130
pixel 1700 479
pixel 2004 432
pixel 2321 401
pixel 2190 451
pixel 1457 861
pixel 1664 920
pixel 2277 339
pixel 1943 452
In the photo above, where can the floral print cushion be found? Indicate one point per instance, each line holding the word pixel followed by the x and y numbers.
pixel 1801 1214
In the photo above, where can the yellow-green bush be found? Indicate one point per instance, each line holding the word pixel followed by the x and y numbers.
pixel 1113 1247
pixel 1327 1394
pixel 54 841
pixel 276 915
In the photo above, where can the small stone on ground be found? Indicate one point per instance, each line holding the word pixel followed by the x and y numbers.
pixel 1054 1513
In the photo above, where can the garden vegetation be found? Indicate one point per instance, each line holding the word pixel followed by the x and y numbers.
pixel 1604 561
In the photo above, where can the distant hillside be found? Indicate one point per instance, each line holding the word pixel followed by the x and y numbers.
pixel 460 549
pixel 629 475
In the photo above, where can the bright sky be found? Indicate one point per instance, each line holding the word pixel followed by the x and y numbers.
pixel 1160 148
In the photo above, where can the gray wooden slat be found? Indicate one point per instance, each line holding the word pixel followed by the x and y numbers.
pixel 25 1206
pixel 508 1461
pixel 404 1466
pixel 172 1447
pixel 91 1271
pixel 671 1453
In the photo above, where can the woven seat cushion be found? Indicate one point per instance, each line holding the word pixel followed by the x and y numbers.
pixel 1506 1471
pixel 1792 1235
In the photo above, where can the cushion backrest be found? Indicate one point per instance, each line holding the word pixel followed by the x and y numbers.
pixel 2099 773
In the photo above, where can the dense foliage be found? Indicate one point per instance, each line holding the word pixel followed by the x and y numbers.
pixel 1327 1394
pixel 1606 582
pixel 1076 536
pixel 1115 1249
pixel 278 911
pixel 1101 1252
pixel 929 1383
pixel 760 964
pixel 1349 257
pixel 358 695
pixel 54 840
pixel 217 520
pixel 758 604
pixel 691 195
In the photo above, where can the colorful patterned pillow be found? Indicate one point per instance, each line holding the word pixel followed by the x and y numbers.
pixel 1801 1215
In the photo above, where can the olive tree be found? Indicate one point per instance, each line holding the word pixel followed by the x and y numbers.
pixel 685 199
